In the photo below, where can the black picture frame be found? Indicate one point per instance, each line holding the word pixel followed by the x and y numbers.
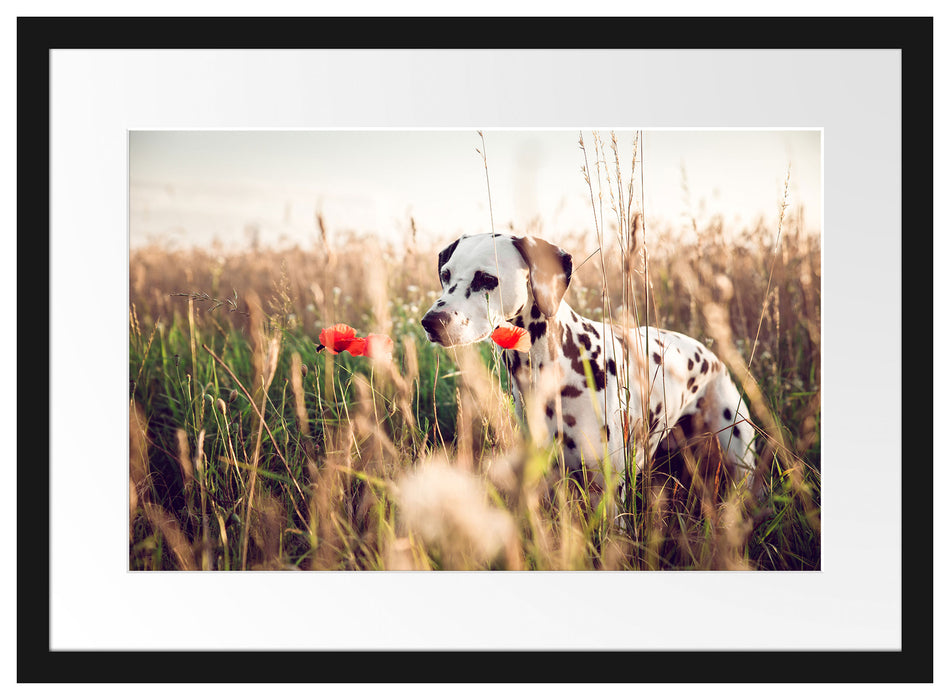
pixel 37 663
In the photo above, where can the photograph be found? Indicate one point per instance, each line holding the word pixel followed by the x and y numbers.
pixel 457 349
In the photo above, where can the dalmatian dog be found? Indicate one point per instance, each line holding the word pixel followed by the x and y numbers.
pixel 492 279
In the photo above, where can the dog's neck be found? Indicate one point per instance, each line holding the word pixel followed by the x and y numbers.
pixel 539 326
pixel 545 334
pixel 567 335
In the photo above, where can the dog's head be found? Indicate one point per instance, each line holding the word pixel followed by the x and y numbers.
pixel 490 278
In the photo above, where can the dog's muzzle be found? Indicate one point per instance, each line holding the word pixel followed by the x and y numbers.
pixel 434 323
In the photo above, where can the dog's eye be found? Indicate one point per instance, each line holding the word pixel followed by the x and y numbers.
pixel 445 276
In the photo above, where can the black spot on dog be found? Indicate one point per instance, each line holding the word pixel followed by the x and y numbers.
pixel 727 414
pixel 535 311
pixel 481 282
pixel 585 340
pixel 659 409
pixel 690 383
pixel 570 392
pixel 570 420
pixel 696 355
pixel 440 303
pixel 549 410
pixel 612 366
pixel 574 317
pixel 695 388
pixel 537 330
pixel 659 343
pixel 656 358
pixel 589 327
pixel 689 364
pixel 570 444
pixel 735 431
pixel 454 287
pixel 573 353
pixel 705 367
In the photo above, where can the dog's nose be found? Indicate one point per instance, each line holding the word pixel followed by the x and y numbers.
pixel 434 323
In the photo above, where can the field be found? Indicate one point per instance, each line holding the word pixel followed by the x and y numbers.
pixel 253 448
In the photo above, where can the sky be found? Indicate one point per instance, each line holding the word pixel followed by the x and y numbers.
pixel 190 188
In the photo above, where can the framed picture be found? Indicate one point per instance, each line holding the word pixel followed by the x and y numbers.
pixel 146 140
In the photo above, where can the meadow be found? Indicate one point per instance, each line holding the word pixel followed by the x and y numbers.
pixel 251 447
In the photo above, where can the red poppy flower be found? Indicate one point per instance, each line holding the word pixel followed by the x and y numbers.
pixel 512 337
pixel 357 347
pixel 337 338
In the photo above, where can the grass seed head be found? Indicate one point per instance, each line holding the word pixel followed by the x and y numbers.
pixel 449 509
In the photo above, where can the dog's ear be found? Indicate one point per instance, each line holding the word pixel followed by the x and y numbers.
pixel 444 257
pixel 549 271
